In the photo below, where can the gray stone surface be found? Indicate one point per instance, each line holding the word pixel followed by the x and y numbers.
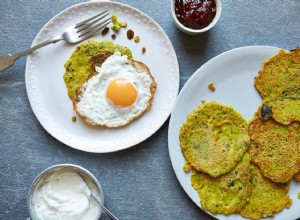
pixel 139 183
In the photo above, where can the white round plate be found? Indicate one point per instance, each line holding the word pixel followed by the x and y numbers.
pixel 47 91
pixel 233 75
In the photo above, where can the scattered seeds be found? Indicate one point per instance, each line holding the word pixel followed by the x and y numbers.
pixel 74 119
pixel 117 24
pixel 130 34
pixel 105 31
pixel 137 39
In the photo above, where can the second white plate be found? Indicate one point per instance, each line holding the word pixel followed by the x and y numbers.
pixel 233 75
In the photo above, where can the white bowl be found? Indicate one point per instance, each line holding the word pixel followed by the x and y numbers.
pixel 196 31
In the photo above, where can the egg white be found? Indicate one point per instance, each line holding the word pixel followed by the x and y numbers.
pixel 93 103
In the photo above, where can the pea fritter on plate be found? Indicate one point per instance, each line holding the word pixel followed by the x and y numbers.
pixel 80 65
pixel 283 111
pixel 267 197
pixel 214 138
pixel 225 194
pixel 278 82
pixel 275 148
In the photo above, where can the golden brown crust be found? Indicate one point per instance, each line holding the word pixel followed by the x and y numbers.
pixel 267 197
pixel 275 148
pixel 140 67
pixel 297 177
pixel 99 59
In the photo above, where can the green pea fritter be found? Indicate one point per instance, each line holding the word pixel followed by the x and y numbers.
pixel 214 138
pixel 275 148
pixel 79 66
pixel 225 194
pixel 279 75
pixel 284 111
pixel 278 82
pixel 267 197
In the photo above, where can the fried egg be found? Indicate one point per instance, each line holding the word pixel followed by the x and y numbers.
pixel 121 92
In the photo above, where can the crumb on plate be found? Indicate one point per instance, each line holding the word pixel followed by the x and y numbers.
pixel 137 39
pixel 186 167
pixel 117 24
pixel 211 87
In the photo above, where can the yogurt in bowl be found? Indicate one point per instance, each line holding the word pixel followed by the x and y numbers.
pixel 61 193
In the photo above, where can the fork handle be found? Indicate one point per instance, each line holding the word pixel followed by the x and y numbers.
pixel 9 60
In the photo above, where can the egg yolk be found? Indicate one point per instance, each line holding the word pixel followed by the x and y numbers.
pixel 121 93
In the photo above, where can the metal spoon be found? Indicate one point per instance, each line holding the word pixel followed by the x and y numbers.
pixel 101 206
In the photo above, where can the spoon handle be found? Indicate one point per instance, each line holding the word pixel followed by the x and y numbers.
pixel 105 210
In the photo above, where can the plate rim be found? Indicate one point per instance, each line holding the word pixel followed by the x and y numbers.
pixel 120 146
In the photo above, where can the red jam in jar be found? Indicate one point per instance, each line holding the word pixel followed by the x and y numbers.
pixel 195 14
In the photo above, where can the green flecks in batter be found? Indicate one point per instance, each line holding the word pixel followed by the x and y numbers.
pixel 267 197
pixel 214 138
pixel 225 194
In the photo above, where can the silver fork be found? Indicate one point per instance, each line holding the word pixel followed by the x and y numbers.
pixel 73 34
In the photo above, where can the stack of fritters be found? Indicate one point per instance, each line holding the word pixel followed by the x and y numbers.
pixel 275 134
pixel 227 193
pixel 214 140
pixel 275 129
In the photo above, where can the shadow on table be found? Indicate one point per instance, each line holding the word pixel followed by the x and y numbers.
pixel 192 44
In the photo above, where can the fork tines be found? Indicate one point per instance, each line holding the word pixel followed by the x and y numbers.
pixel 92 25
